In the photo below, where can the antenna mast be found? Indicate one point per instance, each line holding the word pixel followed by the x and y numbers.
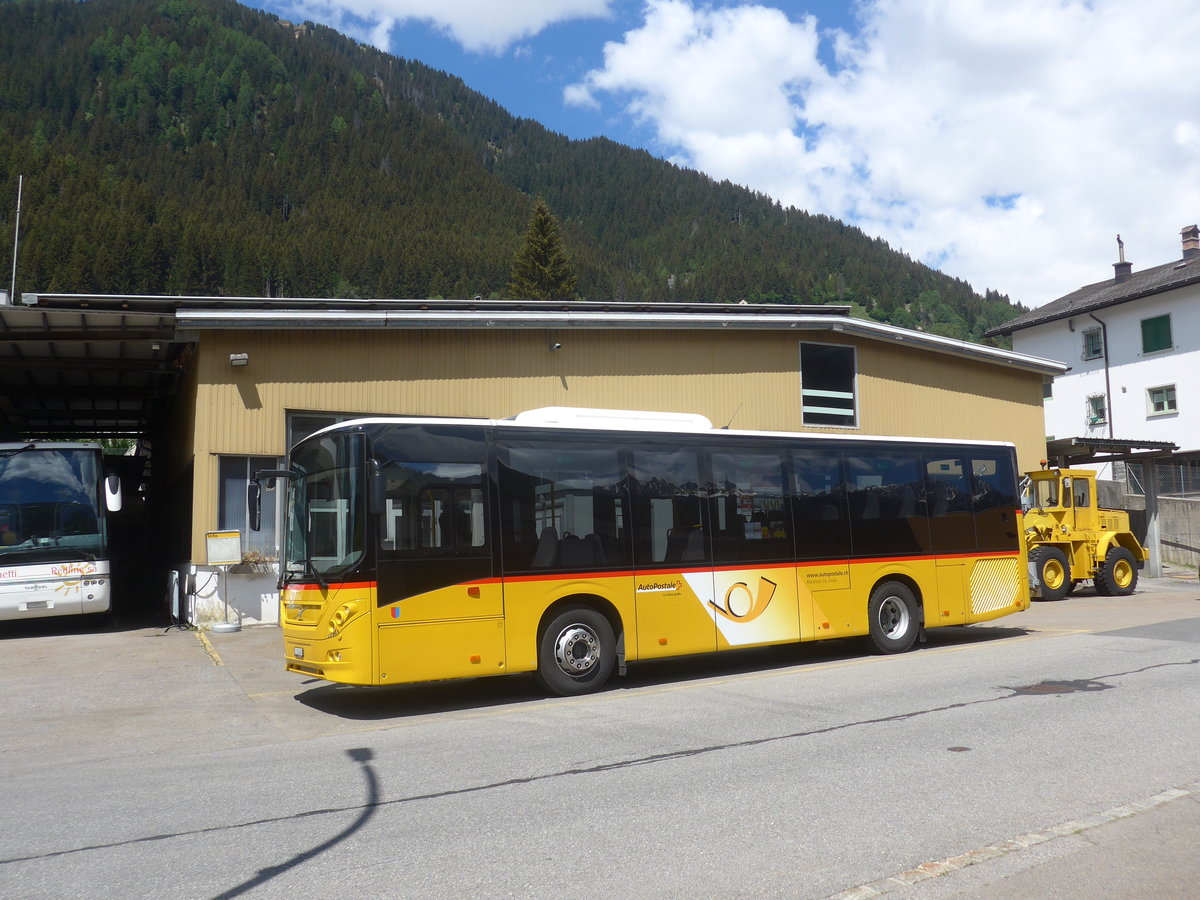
pixel 12 289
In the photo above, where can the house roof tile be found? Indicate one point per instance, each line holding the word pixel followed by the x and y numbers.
pixel 1146 283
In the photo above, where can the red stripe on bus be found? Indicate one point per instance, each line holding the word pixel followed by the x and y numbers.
pixel 333 585
pixel 738 567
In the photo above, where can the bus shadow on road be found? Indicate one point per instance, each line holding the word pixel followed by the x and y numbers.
pixel 431 698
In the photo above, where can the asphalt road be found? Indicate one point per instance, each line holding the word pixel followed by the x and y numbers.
pixel 1055 753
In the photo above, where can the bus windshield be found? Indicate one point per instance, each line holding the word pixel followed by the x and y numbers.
pixel 48 505
pixel 326 507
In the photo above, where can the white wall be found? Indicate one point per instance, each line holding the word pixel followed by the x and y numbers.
pixel 1130 372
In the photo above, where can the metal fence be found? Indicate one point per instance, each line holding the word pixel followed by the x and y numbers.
pixel 1174 478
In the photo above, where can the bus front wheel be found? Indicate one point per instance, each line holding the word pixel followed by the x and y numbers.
pixel 894 619
pixel 576 652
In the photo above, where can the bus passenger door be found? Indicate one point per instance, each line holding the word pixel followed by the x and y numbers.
pixel 440 611
pixel 754 575
pixel 947 500
pixel 821 524
pixel 673 577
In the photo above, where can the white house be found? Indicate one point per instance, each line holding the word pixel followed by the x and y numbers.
pixel 1133 346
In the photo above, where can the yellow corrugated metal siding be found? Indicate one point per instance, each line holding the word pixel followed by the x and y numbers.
pixel 749 378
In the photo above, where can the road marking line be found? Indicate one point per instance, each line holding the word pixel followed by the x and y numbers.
pixel 209 648
pixel 941 867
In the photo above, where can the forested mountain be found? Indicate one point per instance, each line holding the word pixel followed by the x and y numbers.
pixel 201 147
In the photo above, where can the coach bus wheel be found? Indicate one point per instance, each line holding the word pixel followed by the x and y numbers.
pixel 576 652
pixel 1118 575
pixel 892 610
pixel 1050 566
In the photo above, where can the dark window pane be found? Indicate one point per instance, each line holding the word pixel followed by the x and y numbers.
pixel 994 500
pixel 749 521
pixel 885 509
pixel 668 523
pixel 948 503
pixel 827 385
pixel 434 494
pixel 562 507
pixel 819 505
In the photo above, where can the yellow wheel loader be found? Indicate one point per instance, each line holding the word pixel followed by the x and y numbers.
pixel 1070 540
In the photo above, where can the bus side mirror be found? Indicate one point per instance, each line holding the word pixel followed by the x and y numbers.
pixel 254 504
pixel 254 492
pixel 376 489
pixel 112 493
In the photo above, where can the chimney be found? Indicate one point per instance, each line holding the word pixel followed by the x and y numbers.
pixel 1191 242
pixel 1123 269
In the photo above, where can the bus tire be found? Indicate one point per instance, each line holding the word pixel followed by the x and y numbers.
pixel 894 617
pixel 1118 576
pixel 1050 569
pixel 576 652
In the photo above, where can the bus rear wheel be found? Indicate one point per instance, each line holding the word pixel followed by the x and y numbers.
pixel 576 652
pixel 1118 575
pixel 894 618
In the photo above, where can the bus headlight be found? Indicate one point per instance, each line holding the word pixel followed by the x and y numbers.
pixel 344 614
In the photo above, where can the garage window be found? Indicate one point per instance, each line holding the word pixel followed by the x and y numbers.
pixel 827 385
pixel 234 474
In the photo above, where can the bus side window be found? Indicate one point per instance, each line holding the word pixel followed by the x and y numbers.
pixel 562 507
pixel 885 509
pixel 668 514
pixel 819 505
pixel 433 507
pixel 749 521
pixel 947 501
pixel 994 500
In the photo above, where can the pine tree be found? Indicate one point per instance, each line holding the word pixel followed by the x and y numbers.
pixel 541 269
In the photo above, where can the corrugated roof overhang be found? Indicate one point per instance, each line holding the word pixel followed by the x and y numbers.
pixel 1079 450
pixel 99 364
pixel 417 315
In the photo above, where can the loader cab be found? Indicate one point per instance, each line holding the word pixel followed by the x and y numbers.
pixel 1065 496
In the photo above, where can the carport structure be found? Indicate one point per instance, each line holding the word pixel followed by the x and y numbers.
pixel 87 367
pixel 94 368
pixel 1080 451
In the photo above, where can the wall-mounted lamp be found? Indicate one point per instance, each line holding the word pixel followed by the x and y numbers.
pixel 555 346
pixel 239 359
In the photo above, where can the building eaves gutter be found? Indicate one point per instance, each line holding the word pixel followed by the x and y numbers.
pixel 255 319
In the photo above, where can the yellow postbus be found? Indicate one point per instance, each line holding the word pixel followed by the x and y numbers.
pixel 569 543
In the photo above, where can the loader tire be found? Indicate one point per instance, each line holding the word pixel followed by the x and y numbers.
pixel 1050 568
pixel 1118 575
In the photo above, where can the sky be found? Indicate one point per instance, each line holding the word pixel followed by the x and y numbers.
pixel 1004 142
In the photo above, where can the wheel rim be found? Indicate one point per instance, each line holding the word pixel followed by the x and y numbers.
pixel 1053 574
pixel 893 617
pixel 577 650
pixel 1122 573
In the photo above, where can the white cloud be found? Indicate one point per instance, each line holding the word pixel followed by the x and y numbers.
pixel 481 26
pixel 1005 141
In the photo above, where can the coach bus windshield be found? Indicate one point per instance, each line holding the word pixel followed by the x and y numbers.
pixel 48 505
pixel 326 516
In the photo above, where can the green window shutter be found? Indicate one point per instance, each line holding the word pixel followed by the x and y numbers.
pixel 1156 334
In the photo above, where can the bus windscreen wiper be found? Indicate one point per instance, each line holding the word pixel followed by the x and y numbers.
pixel 307 568
pixel 7 453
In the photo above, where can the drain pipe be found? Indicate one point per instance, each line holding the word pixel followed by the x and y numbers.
pixel 1107 382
